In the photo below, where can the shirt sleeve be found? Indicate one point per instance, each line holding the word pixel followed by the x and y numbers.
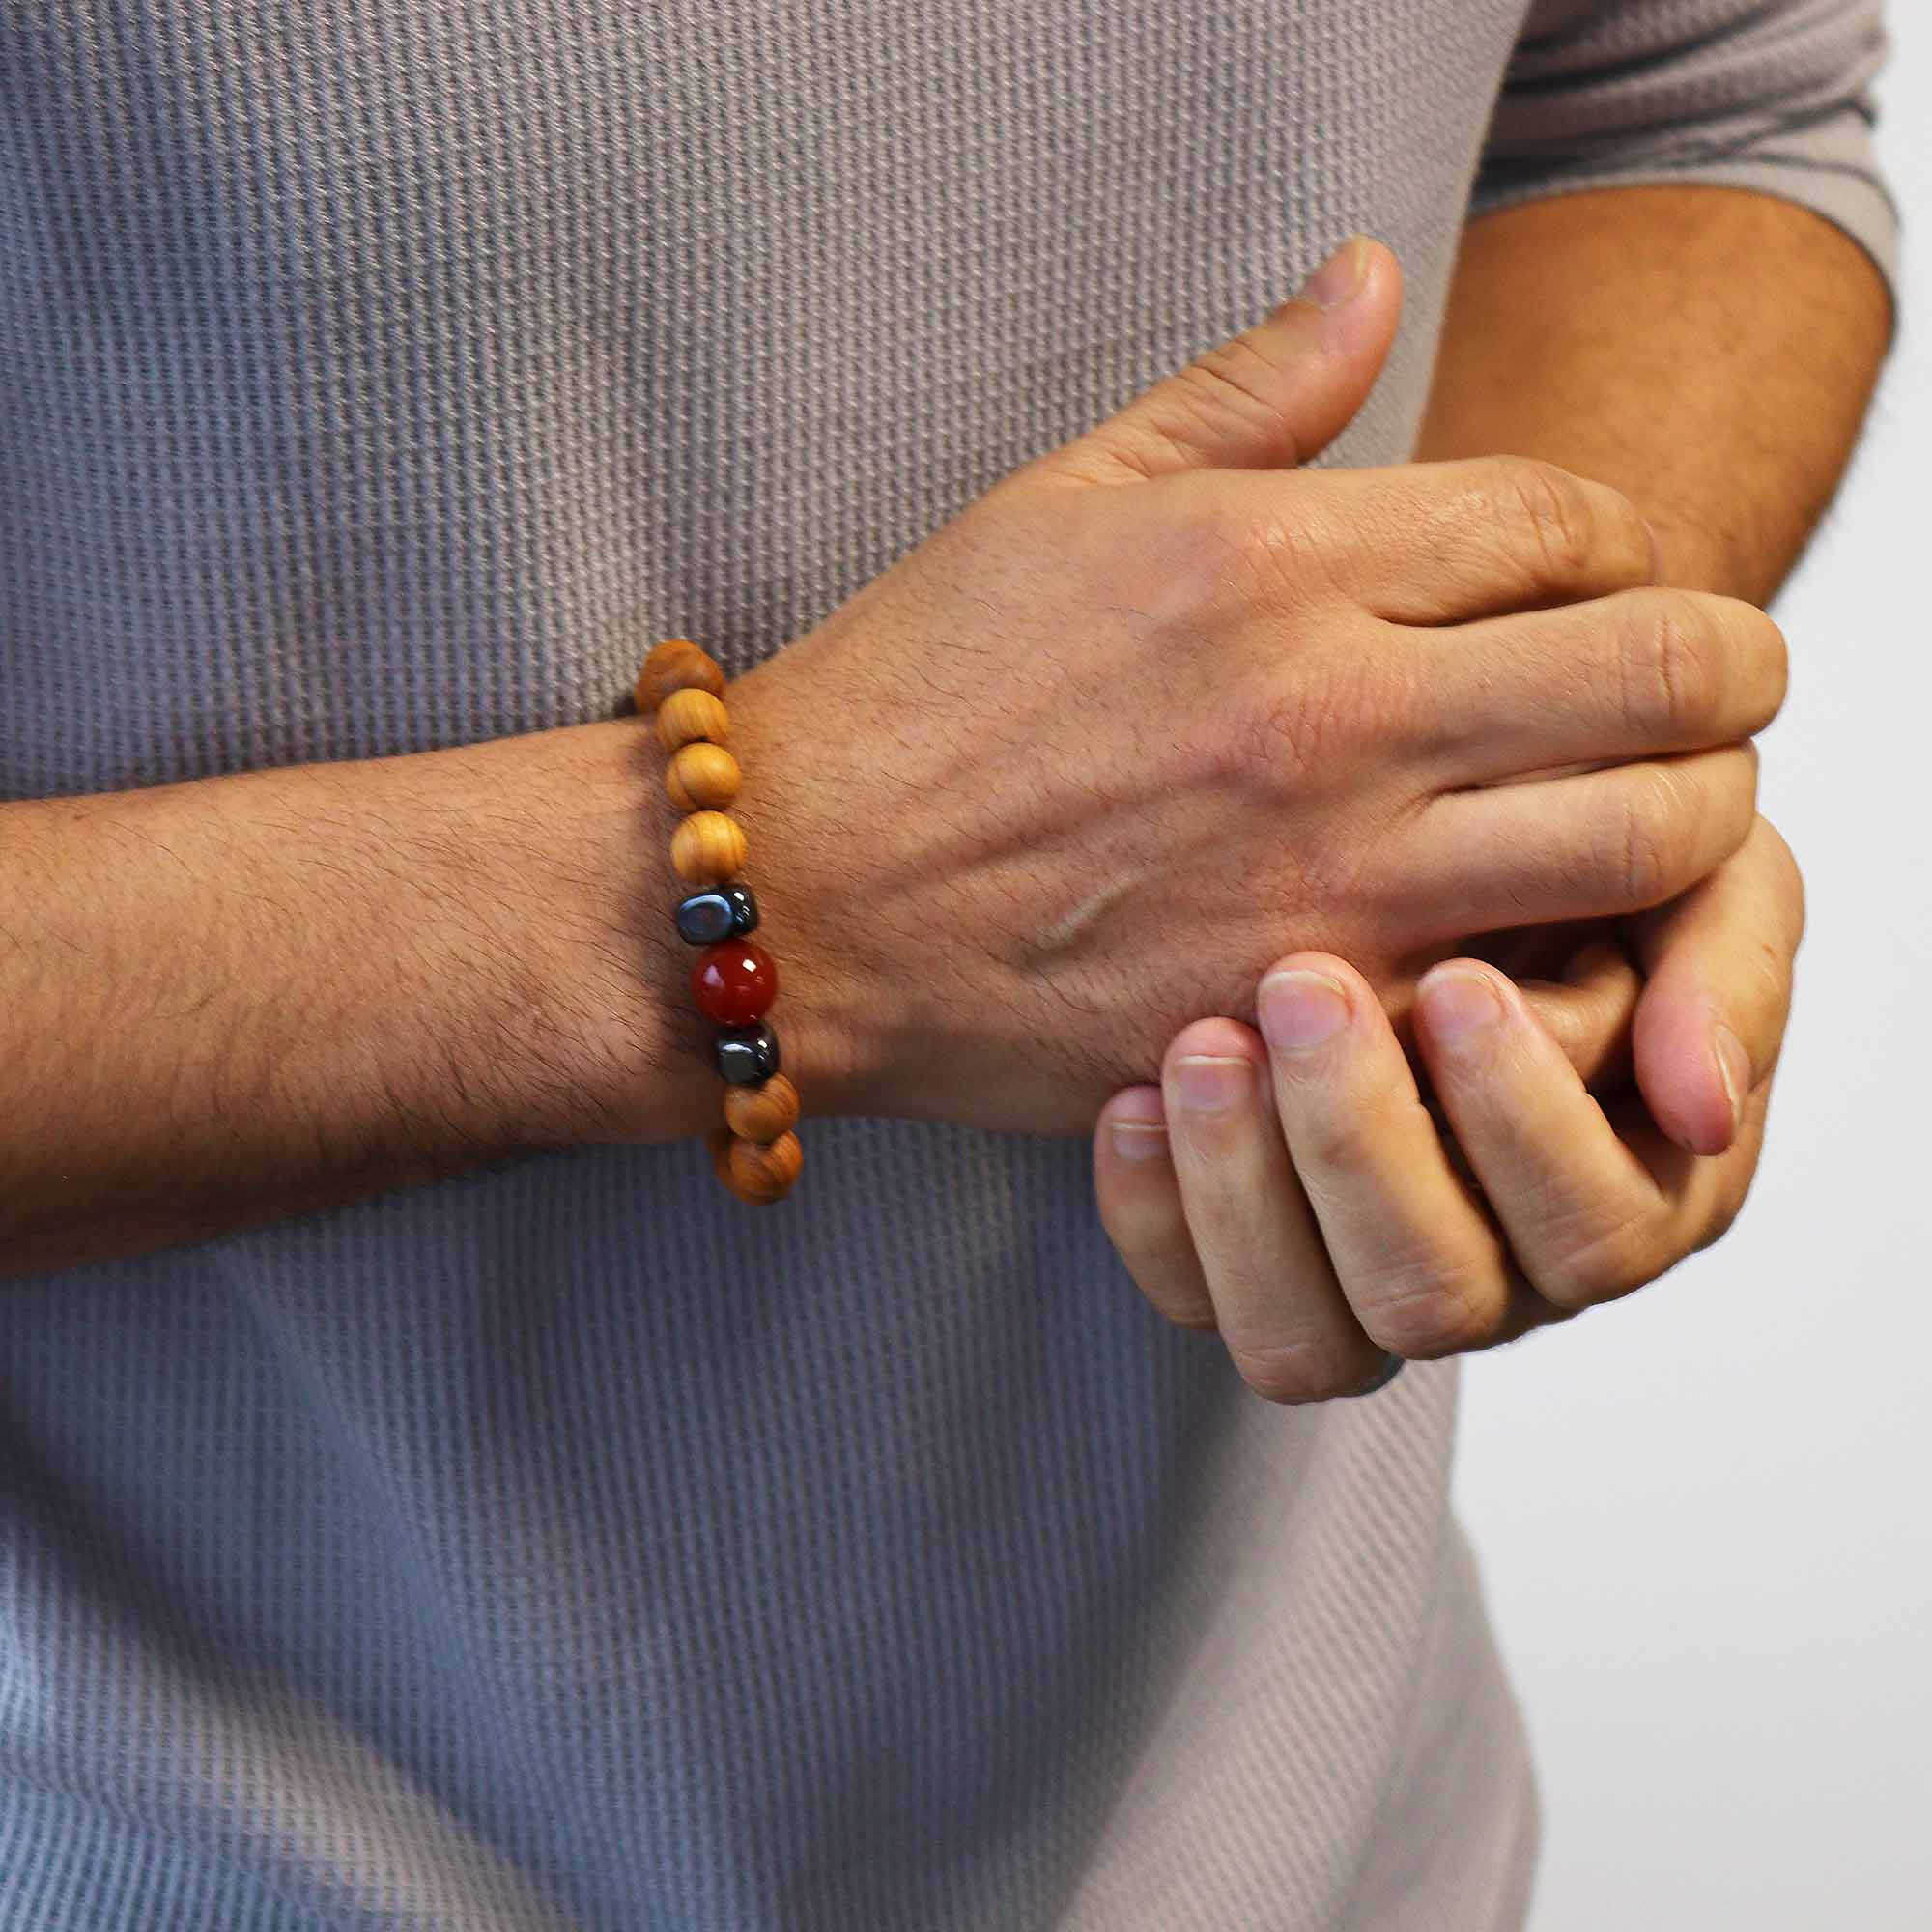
pixel 1772 94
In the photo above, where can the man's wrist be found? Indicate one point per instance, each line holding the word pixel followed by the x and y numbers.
pixel 620 958
pixel 834 1011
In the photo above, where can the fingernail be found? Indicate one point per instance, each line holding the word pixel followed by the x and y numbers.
pixel 1212 1083
pixel 1301 1010
pixel 1734 1070
pixel 1461 1005
pixel 1140 1140
pixel 1340 278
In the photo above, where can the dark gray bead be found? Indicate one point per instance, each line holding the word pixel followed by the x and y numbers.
pixel 724 912
pixel 746 1055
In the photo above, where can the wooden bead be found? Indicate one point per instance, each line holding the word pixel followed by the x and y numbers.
pixel 677 665
pixel 762 1174
pixel 707 848
pixel 689 714
pixel 762 1113
pixel 702 778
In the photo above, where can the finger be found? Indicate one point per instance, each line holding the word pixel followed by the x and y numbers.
pixel 1418 1261
pixel 1622 677
pixel 1588 1010
pixel 1581 984
pixel 1589 1215
pixel 1718 961
pixel 1449 543
pixel 1606 843
pixel 1531 952
pixel 1139 1199
pixel 1280 1309
pixel 1267 399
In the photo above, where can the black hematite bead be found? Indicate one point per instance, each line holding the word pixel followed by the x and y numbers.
pixel 746 1055
pixel 724 912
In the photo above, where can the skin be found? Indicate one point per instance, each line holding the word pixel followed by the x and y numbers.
pixel 1407 705
pixel 1159 685
pixel 1336 1204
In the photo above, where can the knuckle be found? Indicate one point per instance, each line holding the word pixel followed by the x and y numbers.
pixel 1174 1291
pixel 1753 763
pixel 1548 511
pixel 1770 655
pixel 1143 1224
pixel 1670 685
pixel 1301 1371
pixel 1424 1306
pixel 1232 384
pixel 1198 1317
pixel 1729 782
pixel 1330 1140
pixel 1640 863
pixel 1599 1266
pixel 1622 524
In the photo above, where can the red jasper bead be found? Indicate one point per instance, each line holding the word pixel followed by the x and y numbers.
pixel 735 982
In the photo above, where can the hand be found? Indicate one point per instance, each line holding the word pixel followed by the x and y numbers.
pixel 1321 1220
pixel 1083 762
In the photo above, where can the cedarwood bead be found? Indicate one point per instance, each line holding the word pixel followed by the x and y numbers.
pixel 677 665
pixel 754 1154
pixel 762 1174
pixel 689 714
pixel 707 847
pixel 762 1113
pixel 702 777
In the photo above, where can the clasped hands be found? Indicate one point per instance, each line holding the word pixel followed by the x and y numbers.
pixel 1419 771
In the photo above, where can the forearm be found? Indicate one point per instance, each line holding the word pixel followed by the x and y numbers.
pixel 1707 351
pixel 228 1001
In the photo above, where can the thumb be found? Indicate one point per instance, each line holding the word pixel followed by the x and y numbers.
pixel 1267 399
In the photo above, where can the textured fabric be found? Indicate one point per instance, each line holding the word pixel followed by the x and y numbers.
pixel 565 1548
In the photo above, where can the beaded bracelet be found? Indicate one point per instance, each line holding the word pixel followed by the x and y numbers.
pixel 755 1153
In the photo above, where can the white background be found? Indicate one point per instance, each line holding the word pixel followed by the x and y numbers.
pixel 1705 1513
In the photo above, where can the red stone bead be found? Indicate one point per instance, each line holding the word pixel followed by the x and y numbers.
pixel 735 982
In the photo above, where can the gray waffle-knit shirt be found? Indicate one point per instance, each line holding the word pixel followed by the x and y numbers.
pixel 568 1546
